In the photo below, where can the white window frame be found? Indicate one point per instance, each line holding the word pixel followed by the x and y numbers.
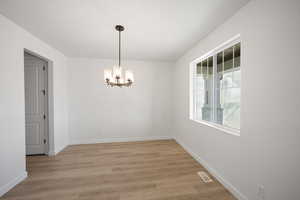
pixel 234 40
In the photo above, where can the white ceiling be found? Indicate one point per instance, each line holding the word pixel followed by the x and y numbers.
pixel 154 29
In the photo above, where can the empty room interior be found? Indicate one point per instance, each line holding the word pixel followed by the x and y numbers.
pixel 149 100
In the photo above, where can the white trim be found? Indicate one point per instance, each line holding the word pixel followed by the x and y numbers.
pixel 51 153
pixel 109 140
pixel 232 41
pixel 55 152
pixel 222 128
pixel 233 190
pixel 61 148
pixel 191 94
pixel 12 183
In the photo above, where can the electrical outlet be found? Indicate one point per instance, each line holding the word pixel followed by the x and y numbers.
pixel 261 192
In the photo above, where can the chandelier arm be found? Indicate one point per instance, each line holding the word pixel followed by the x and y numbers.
pixel 112 84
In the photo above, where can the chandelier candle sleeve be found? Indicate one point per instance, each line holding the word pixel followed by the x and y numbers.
pixel 129 76
pixel 117 72
pixel 107 75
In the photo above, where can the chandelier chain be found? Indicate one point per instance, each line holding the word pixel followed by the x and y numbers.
pixel 119 48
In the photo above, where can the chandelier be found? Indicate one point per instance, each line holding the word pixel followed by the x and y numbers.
pixel 115 77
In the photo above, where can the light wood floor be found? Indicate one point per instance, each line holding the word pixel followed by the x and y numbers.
pixel 152 170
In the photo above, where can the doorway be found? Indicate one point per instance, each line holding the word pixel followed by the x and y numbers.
pixel 36 104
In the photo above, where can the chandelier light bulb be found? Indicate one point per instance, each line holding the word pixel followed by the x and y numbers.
pixel 117 72
pixel 107 75
pixel 129 76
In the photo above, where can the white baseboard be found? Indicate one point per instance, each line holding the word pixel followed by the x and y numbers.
pixel 217 175
pixel 129 139
pixel 12 183
pixel 53 153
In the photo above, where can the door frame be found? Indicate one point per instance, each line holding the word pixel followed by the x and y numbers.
pixel 49 125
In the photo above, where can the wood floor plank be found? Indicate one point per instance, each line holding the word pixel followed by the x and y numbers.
pixel 148 170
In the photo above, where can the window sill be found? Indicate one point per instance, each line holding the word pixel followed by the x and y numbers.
pixel 224 129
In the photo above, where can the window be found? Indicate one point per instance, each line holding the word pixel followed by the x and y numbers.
pixel 216 87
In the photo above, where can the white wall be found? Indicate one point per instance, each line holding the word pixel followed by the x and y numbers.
pixel 268 150
pixel 13 40
pixel 99 114
pixel 266 153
